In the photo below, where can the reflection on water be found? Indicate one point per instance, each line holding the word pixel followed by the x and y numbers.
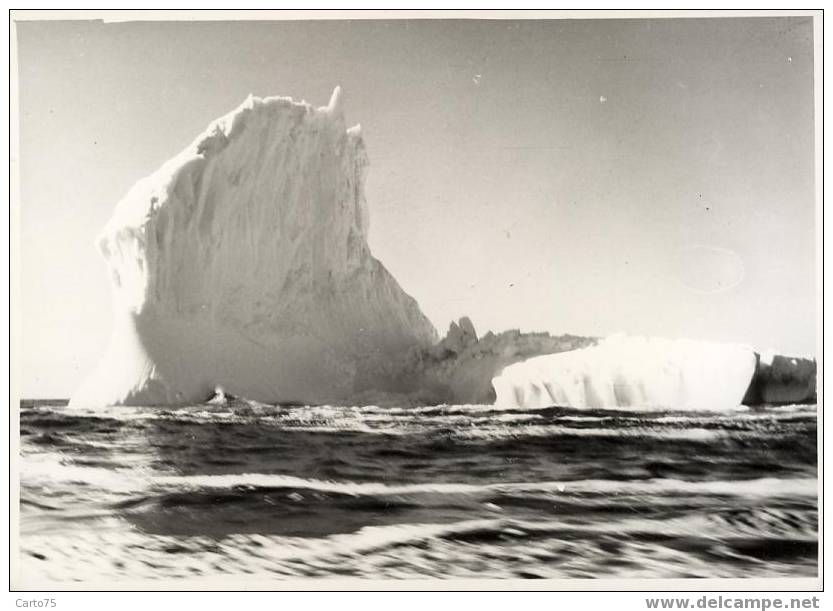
pixel 248 491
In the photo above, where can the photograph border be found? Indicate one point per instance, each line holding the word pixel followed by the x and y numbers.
pixel 17 582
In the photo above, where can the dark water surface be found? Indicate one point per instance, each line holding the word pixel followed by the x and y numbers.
pixel 254 492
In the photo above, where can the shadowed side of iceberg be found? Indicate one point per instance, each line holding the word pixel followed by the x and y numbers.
pixel 782 379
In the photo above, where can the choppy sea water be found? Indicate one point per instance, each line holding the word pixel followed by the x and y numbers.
pixel 266 493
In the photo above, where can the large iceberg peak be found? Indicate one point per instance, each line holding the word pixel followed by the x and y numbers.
pixel 243 263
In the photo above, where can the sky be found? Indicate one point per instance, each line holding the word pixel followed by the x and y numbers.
pixel 654 177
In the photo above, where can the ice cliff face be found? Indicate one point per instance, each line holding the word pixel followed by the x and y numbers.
pixel 632 372
pixel 243 263
pixel 782 379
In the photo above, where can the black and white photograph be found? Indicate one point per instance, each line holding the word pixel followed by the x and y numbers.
pixel 368 300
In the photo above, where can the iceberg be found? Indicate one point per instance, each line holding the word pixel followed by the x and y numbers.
pixel 623 371
pixel 241 268
pixel 459 369
pixel 782 379
pixel 242 264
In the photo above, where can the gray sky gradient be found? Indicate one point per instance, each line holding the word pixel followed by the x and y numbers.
pixel 647 176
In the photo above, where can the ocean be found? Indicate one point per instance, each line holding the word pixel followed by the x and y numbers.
pixel 248 492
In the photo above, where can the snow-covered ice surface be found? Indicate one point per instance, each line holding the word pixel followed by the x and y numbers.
pixel 625 371
pixel 243 263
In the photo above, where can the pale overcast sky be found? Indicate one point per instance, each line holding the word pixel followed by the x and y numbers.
pixel 647 176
